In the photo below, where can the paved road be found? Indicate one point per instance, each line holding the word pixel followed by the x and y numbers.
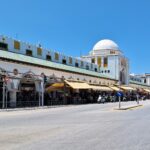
pixel 84 127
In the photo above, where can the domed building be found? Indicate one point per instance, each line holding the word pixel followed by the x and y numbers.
pixel 110 59
pixel 30 72
pixel 104 45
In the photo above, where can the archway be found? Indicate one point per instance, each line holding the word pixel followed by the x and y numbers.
pixel 29 94
pixel 54 90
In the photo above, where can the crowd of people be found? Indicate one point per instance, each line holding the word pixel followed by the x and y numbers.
pixel 31 98
pixel 124 96
pixel 85 97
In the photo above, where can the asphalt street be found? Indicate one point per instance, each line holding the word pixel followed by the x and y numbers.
pixel 82 127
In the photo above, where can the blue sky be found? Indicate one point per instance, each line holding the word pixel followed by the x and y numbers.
pixel 74 26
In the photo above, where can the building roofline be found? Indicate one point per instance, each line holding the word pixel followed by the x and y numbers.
pixel 40 62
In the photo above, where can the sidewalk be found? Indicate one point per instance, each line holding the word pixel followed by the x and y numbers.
pixel 125 106
pixel 129 107
pixel 33 108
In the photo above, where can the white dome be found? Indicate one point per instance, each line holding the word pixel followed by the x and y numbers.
pixel 106 44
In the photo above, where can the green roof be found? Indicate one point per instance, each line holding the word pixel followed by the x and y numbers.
pixel 37 61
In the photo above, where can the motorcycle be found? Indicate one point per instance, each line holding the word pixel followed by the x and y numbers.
pixel 101 99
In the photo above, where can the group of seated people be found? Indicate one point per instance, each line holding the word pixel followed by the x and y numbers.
pixel 85 97
pixel 125 96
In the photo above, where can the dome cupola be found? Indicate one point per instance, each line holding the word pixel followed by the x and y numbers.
pixel 105 44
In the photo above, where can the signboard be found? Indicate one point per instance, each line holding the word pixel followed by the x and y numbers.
pixel 119 94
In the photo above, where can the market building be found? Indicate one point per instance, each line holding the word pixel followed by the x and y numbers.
pixel 110 59
pixel 28 71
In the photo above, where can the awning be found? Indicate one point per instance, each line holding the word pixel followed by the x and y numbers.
pixel 127 88
pixel 58 85
pixel 77 85
pixel 115 88
pixel 140 89
pixel 147 90
pixel 54 87
pixel 100 88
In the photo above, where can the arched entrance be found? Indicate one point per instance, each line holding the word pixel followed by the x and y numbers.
pixel 54 91
pixel 29 88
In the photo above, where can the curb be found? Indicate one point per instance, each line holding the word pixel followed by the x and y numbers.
pixel 37 108
pixel 31 108
pixel 127 108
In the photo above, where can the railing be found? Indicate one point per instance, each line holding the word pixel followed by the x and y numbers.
pixel 27 104
pixel 58 101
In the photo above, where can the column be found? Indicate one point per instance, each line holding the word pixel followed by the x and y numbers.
pixel 13 98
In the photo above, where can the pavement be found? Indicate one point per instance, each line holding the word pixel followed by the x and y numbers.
pixel 81 127
pixel 129 106
pixel 33 108
pixel 124 106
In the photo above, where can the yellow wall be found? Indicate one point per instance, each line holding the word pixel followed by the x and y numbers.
pixel 39 51
pixel 99 61
pixel 17 45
